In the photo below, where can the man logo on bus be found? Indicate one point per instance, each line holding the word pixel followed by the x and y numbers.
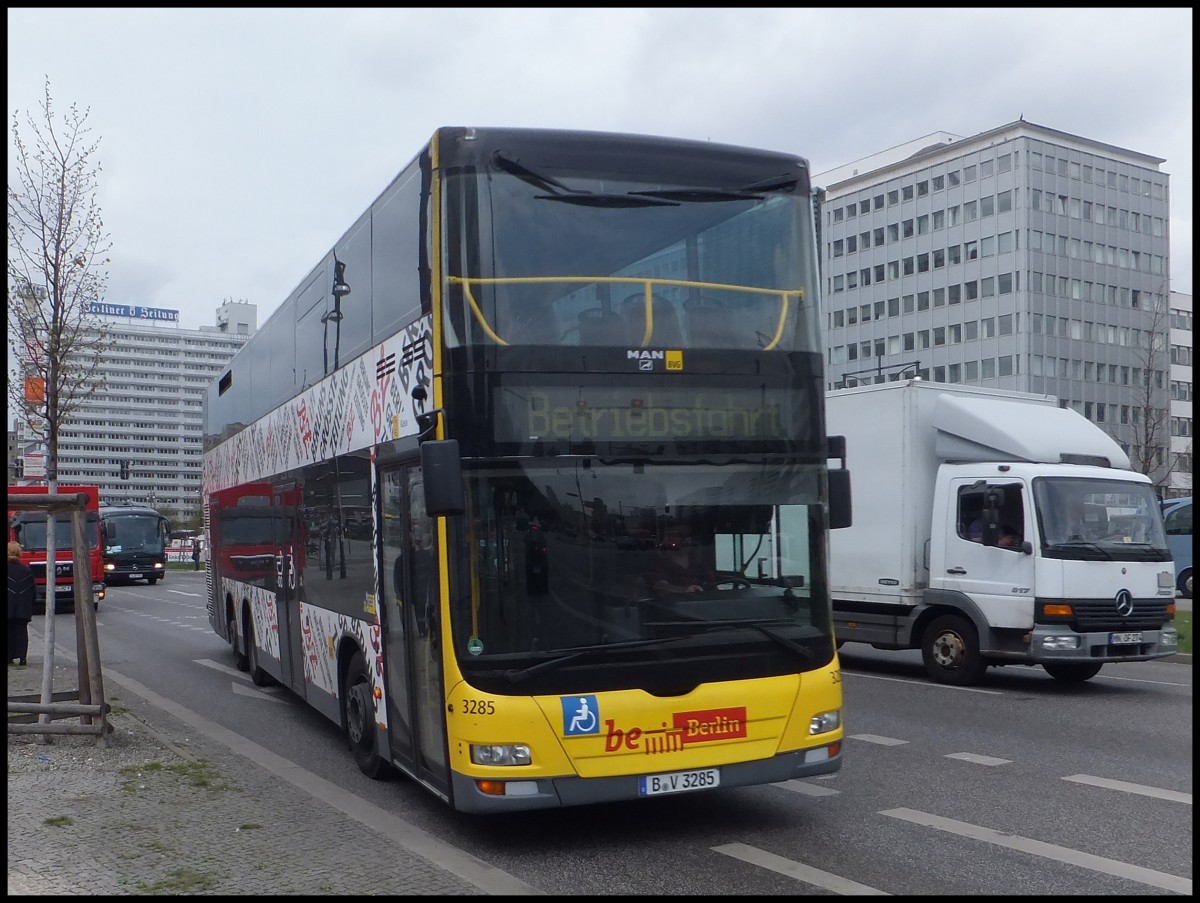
pixel 581 715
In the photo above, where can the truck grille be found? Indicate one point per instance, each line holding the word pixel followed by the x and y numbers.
pixel 1093 615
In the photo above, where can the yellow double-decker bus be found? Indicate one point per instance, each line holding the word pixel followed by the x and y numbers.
pixel 542 442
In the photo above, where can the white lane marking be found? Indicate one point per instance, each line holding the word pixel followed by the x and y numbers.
pixel 224 669
pixel 924 683
pixel 256 694
pixel 806 789
pixel 180 592
pixel 978 759
pixel 875 738
pixel 1142 680
pixel 1065 855
pixel 1126 787
pixel 798 870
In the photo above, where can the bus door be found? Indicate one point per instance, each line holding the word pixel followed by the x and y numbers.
pixel 412 628
pixel 288 539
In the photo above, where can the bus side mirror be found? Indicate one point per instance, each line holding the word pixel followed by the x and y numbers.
pixel 840 510
pixel 441 471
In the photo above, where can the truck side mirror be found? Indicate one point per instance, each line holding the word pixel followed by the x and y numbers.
pixel 840 510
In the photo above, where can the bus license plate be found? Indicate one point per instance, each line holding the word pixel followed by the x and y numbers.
pixel 679 782
pixel 134 574
pixel 1125 639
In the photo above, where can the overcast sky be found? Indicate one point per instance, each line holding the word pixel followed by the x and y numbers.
pixel 238 145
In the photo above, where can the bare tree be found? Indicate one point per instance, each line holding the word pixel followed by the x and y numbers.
pixel 1150 452
pixel 57 267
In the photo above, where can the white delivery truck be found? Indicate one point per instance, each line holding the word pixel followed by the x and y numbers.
pixel 993 527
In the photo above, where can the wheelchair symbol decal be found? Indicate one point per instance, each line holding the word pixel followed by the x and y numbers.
pixel 580 715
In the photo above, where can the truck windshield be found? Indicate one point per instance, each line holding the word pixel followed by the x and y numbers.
pixel 31 532
pixel 1112 515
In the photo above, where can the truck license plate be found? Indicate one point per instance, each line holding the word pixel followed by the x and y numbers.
pixel 1125 639
pixel 679 782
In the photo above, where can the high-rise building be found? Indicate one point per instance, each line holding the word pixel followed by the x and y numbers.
pixel 146 411
pixel 1022 258
pixel 1181 395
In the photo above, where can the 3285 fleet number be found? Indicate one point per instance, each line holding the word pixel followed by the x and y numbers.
pixel 478 707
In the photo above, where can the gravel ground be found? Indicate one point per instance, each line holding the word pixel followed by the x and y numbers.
pixel 159 810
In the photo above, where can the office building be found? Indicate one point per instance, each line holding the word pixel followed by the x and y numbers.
pixel 1181 395
pixel 146 411
pixel 1022 258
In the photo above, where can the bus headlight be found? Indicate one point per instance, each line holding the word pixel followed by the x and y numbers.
pixel 500 754
pixel 824 722
pixel 110 567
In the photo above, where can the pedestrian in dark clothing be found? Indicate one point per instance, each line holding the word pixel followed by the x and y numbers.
pixel 20 604
pixel 195 554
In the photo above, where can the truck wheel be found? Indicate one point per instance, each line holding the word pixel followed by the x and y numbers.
pixel 950 650
pixel 1071 672
pixel 358 714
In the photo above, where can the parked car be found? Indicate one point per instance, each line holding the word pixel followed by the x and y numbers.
pixel 1177 516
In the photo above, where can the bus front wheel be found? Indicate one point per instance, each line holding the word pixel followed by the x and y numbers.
pixel 358 715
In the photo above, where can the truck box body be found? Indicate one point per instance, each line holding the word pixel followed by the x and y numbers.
pixel 922 454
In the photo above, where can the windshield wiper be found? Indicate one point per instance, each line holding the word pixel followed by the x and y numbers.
pixel 516 675
pixel 606 200
pixel 802 652
pixel 525 174
pixel 1085 544
pixel 784 182
pixel 699 195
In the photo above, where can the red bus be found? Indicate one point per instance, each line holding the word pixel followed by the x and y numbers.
pixel 28 527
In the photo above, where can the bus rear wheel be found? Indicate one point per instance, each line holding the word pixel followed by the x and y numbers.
pixel 258 676
pixel 358 715
pixel 240 659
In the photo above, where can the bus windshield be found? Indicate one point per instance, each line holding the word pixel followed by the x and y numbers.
pixel 133 532
pixel 586 258
pixel 569 554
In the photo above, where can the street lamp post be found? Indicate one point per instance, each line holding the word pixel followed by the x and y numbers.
pixel 340 291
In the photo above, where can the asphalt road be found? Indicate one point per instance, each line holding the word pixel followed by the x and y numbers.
pixel 1019 786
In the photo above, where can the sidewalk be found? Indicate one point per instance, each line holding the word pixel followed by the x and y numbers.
pixel 165 809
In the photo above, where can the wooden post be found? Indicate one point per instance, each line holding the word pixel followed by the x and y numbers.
pixel 91 702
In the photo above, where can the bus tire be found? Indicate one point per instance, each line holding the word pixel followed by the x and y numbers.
pixel 358 715
pixel 152 580
pixel 950 651
pixel 1072 672
pixel 258 676
pixel 240 661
